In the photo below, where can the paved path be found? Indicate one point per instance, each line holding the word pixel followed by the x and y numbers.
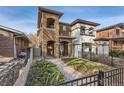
pixel 68 72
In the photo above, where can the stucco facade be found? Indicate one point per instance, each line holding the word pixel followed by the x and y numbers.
pixel 84 39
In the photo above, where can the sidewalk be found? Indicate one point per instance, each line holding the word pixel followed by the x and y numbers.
pixel 68 72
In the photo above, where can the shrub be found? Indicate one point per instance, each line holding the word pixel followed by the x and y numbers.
pixel 114 53
pixel 85 66
pixel 44 73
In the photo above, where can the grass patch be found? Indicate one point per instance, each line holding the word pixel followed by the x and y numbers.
pixel 85 66
pixel 44 73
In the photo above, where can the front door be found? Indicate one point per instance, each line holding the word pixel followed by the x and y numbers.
pixel 50 48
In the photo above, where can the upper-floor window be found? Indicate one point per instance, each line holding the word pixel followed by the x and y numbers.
pixel 64 28
pixel 115 43
pixel 91 28
pixel 117 32
pixel 83 28
pixel 91 33
pixel 50 23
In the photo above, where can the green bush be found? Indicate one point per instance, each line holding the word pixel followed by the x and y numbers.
pixel 116 53
pixel 122 53
pixel 85 66
pixel 44 73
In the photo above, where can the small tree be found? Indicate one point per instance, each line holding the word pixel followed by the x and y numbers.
pixel 34 39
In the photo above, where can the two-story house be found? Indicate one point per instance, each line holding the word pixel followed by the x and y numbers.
pixel 114 34
pixel 56 36
pixel 61 39
pixel 84 33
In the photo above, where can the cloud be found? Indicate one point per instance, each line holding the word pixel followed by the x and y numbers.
pixel 109 21
pixel 25 18
pixel 20 18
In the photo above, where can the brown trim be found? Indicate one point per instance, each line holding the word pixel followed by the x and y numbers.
pixel 65 37
pixel 63 23
pixel 84 22
pixel 101 39
pixel 118 39
pixel 50 11
pixel 87 35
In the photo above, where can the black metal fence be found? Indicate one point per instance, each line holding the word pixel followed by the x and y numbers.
pixel 113 77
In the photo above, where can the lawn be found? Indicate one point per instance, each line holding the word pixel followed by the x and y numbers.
pixel 85 66
pixel 44 73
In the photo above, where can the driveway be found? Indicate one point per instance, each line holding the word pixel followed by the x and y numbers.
pixel 5 59
pixel 68 72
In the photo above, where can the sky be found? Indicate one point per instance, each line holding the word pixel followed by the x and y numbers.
pixel 24 18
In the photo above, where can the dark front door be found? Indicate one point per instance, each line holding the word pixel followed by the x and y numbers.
pixel 50 48
pixel 64 48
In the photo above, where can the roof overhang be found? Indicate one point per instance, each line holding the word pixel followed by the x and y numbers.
pixel 65 37
pixel 118 39
pixel 84 22
pixel 41 10
pixel 111 27
pixel 101 39
pixel 15 32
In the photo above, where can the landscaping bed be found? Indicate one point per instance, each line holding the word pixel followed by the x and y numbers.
pixel 43 73
pixel 85 66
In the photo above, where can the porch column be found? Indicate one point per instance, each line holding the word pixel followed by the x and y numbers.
pixel 69 49
pixel 15 53
pixel 44 50
pixel 56 49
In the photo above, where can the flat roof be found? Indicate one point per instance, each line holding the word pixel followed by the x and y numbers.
pixel 84 22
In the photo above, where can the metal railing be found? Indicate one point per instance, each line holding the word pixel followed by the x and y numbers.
pixel 113 77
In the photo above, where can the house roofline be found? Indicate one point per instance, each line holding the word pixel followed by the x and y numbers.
pixel 84 22
pixel 42 9
pixel 110 27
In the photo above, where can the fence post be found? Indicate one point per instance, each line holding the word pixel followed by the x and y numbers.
pixel 100 78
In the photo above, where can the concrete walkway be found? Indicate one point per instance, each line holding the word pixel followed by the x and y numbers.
pixel 68 72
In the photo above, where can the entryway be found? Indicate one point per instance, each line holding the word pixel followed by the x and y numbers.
pixel 50 48
pixel 64 48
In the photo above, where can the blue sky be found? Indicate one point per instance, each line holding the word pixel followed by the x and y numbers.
pixel 25 18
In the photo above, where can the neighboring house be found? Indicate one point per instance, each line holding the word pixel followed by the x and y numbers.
pixel 56 36
pixel 113 35
pixel 12 42
pixel 84 33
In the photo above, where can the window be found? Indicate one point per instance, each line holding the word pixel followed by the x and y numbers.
pixel 91 28
pixel 115 43
pixel 117 32
pixel 90 33
pixel 83 28
pixel 64 28
pixel 50 23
